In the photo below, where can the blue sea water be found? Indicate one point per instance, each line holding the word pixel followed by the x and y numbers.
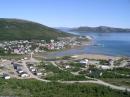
pixel 113 43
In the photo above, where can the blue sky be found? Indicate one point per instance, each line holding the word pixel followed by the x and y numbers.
pixel 69 13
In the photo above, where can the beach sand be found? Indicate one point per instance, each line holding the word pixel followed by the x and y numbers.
pixel 96 56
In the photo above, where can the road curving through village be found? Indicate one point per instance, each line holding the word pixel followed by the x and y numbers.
pixel 94 81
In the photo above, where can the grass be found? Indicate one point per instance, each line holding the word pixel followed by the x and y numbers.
pixel 57 74
pixel 122 71
pixel 118 81
pixel 113 76
pixel 76 65
pixel 115 73
pixel 34 88
pixel 12 56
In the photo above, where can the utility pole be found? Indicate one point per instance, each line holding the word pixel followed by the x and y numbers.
pixel 31 55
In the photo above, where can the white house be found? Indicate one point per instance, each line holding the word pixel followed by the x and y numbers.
pixel 25 58
pixel 32 69
pixel 20 71
pixel 85 61
pixel 6 76
pixel 67 66
pixel 39 73
pixel 16 51
pixel 105 67
pixel 24 74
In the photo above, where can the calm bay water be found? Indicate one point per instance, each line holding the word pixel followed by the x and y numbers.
pixel 115 44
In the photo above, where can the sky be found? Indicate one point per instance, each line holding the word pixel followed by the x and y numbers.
pixel 69 13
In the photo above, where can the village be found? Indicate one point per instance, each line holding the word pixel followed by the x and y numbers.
pixel 38 46
pixel 34 63
pixel 64 68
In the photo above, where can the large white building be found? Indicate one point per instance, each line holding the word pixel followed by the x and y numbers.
pixel 85 61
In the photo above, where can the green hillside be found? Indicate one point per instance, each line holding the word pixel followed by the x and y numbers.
pixel 16 29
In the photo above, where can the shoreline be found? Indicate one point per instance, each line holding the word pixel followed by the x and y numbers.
pixel 96 56
pixel 81 54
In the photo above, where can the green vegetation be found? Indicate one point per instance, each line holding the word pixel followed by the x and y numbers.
pixel 4 52
pixel 12 56
pixel 118 81
pixel 54 73
pixel 16 29
pixel 65 76
pixel 104 62
pixel 95 73
pixel 122 70
pixel 66 57
pixel 117 76
pixel 75 67
pixel 34 88
pixel 8 55
pixel 114 73
pixel 111 74
pixel 117 73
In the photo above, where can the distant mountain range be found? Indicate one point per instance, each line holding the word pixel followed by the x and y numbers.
pixel 96 29
pixel 17 29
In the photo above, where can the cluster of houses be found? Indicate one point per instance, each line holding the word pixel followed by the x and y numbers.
pixel 25 46
pixel 86 63
pixel 34 70
pixel 110 63
pixel 16 47
pixel 20 71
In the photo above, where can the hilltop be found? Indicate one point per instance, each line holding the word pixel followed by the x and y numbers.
pixel 99 29
pixel 17 29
